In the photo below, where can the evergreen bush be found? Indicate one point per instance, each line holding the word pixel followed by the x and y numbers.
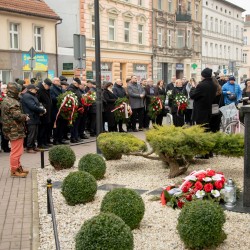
pixel 93 164
pixel 79 187
pixel 105 231
pixel 200 224
pixel 126 204
pixel 114 145
pixel 61 157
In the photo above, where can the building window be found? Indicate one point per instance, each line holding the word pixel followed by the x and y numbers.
pixel 225 28
pixel 169 39
pixel 206 22
pixel 160 4
pixel 111 29
pixel 229 29
pixel 245 40
pixel 93 26
pixel 196 12
pixel 225 51
pixel 229 52
pixel 179 6
pixel 5 76
pixel 220 51
pixel 189 7
pixel 196 43
pixel 237 54
pixel 140 2
pixel 180 39
pixel 14 36
pixel 244 58
pixel 159 36
pixel 216 50
pixel 216 25
pixel 140 34
pixel 170 6
pixel 237 31
pixel 38 38
pixel 189 39
pixel 211 50
pixel 206 48
pixel 126 32
pixel 211 23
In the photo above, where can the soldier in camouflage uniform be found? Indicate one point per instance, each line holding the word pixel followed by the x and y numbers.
pixel 13 121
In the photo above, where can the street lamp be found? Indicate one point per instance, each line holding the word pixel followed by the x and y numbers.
pixel 98 74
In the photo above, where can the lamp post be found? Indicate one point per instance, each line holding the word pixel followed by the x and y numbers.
pixel 98 74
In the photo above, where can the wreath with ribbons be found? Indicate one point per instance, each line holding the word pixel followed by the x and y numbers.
pixel 155 107
pixel 122 110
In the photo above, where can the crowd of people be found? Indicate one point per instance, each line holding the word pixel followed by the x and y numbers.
pixel 29 112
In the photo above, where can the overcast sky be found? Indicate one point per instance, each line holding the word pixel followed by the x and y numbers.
pixel 245 4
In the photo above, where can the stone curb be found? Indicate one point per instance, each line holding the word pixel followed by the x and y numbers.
pixel 35 214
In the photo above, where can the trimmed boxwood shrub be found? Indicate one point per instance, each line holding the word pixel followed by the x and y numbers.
pixel 93 164
pixel 126 204
pixel 105 231
pixel 61 157
pixel 79 187
pixel 114 145
pixel 200 224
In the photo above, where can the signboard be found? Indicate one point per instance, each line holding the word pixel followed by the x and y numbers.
pixel 140 70
pixel 68 73
pixel 179 66
pixel 106 71
pixel 89 75
pixel 41 62
pixel 67 66
pixel 51 74
pixel 79 46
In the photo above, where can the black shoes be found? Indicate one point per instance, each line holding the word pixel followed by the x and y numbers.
pixel 84 136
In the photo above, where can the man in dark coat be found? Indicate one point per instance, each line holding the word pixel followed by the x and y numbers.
pixel 74 87
pixel 33 109
pixel 43 95
pixel 119 92
pixel 203 95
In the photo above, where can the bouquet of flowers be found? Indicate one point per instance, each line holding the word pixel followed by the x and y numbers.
pixel 89 98
pixel 181 101
pixel 67 104
pixel 203 184
pixel 122 110
pixel 155 107
pixel 169 93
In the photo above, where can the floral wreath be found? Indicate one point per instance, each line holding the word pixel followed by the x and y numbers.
pixel 155 107
pixel 203 184
pixel 67 104
pixel 122 110
pixel 89 98
pixel 181 101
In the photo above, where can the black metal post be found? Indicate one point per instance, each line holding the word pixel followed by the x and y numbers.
pixel 246 190
pixel 49 188
pixel 42 159
pixel 99 125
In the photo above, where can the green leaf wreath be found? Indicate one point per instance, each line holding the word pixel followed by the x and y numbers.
pixel 155 107
pixel 119 110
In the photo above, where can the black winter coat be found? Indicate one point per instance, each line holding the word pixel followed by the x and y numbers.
pixel 44 98
pixel 203 96
pixel 32 107
pixel 149 95
pixel 175 92
pixel 109 104
pixel 55 91
pixel 119 91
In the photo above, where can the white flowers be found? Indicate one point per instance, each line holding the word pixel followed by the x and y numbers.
pixel 190 178
pixel 207 179
pixel 200 194
pixel 217 177
pixel 215 193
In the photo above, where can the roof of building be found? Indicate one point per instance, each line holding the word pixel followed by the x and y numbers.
pixel 233 5
pixel 29 7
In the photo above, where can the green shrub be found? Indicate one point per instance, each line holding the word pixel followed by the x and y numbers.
pixel 106 232
pixel 61 157
pixel 93 164
pixel 79 187
pixel 114 145
pixel 126 204
pixel 200 224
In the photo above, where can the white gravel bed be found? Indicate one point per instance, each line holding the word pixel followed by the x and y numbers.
pixel 158 228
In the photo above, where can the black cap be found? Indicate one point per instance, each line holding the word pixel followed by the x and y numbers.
pixel 32 86
pixel 207 72
pixel 76 79
pixel 21 82
pixel 63 78
pixel 231 78
pixel 48 81
pixel 64 83
pixel 33 80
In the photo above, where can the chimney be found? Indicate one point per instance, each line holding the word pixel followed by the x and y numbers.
pixel 247 19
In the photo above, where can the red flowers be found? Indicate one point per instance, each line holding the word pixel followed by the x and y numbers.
pixel 198 185
pixel 210 173
pixel 219 184
pixel 208 187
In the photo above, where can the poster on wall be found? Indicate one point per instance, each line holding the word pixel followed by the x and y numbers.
pixel 140 70
pixel 51 74
pixel 41 62
pixel 106 71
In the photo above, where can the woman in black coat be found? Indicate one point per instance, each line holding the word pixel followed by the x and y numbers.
pixel 178 116
pixel 109 99
pixel 203 95
pixel 162 95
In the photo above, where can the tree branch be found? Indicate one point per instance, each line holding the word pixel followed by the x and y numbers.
pixel 147 155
